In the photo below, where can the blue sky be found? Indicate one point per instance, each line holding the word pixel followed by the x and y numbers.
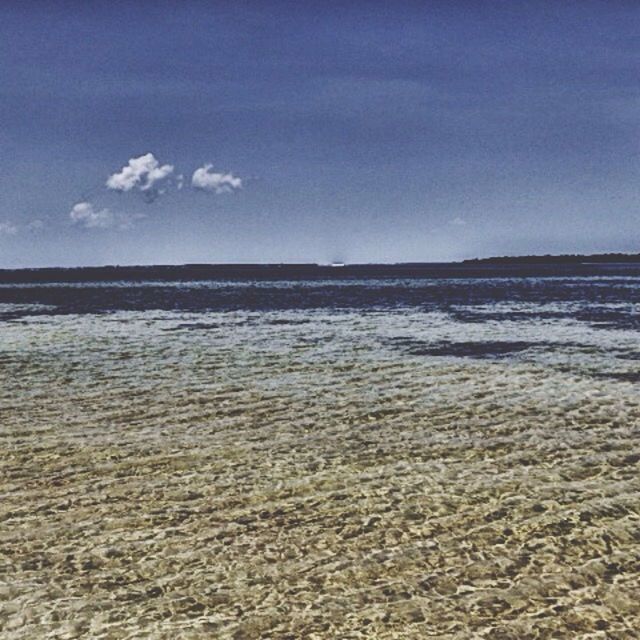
pixel 359 131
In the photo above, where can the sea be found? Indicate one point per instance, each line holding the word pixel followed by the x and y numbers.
pixel 437 452
pixel 582 318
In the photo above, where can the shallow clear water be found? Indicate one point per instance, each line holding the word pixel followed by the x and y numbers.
pixel 450 458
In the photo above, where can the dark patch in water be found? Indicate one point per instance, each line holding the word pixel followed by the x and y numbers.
pixel 190 326
pixel 628 355
pixel 499 348
pixel 471 316
pixel 625 376
pixel 285 321
pixel 480 349
pixel 596 318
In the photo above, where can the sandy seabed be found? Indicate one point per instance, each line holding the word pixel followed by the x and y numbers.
pixel 303 475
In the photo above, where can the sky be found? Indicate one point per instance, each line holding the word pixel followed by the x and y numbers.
pixel 180 132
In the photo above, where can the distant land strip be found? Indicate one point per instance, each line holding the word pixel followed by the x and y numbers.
pixel 598 258
pixel 506 266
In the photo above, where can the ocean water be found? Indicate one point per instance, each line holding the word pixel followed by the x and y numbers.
pixel 449 457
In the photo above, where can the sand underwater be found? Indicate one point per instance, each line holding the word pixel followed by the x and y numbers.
pixel 320 473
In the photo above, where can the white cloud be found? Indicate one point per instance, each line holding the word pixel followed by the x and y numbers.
pixel 8 229
pixel 86 215
pixel 143 174
pixel 458 222
pixel 207 180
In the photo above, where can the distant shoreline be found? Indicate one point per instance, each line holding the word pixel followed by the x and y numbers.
pixel 516 266
pixel 597 258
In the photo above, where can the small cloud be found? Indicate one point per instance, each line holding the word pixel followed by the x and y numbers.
pixel 86 215
pixel 8 229
pixel 205 179
pixel 458 222
pixel 143 174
